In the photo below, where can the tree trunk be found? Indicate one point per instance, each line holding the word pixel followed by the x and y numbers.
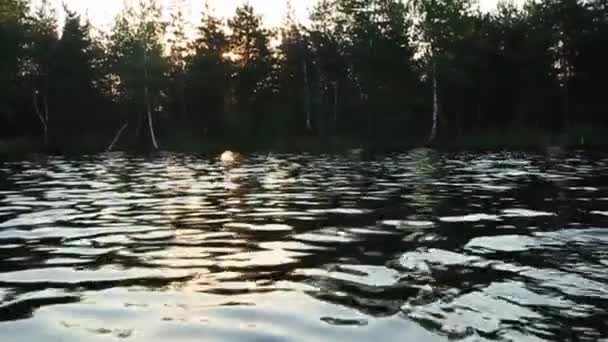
pixel 433 135
pixel 307 96
pixel 150 124
pixel 566 114
pixel 117 137
pixel 43 118
pixel 45 100
pixel 148 105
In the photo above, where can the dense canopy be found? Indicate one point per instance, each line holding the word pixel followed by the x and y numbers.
pixel 373 70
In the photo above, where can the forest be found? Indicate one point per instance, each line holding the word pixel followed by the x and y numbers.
pixel 381 71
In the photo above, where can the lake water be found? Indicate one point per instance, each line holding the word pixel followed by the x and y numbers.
pixel 414 246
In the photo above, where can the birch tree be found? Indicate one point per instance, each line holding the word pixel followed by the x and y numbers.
pixel 44 40
pixel 138 64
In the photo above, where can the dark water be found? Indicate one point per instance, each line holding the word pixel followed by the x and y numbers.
pixel 418 246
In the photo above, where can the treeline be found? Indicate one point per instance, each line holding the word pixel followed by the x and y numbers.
pixel 359 69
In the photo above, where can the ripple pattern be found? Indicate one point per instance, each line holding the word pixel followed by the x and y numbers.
pixel 424 245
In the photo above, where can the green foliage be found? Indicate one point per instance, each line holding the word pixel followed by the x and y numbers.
pixel 294 78
pixel 208 77
pixel 249 45
pixel 358 70
pixel 178 44
pixel 12 40
pixel 138 63
pixel 74 80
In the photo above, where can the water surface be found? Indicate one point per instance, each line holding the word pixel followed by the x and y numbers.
pixel 416 246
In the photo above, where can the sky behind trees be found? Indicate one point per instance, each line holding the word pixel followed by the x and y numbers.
pixel 102 13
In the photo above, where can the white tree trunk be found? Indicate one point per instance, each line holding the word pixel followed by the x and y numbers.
pixel 117 137
pixel 148 105
pixel 44 119
pixel 433 135
pixel 150 124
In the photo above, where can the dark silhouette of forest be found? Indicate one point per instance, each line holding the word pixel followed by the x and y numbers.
pixel 359 70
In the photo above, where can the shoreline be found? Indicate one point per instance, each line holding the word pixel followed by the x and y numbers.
pixel 477 142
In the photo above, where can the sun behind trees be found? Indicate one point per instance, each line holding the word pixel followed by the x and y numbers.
pixel 381 71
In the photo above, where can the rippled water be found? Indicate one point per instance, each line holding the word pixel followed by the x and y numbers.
pixel 418 246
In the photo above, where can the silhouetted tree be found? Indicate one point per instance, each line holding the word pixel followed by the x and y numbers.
pixel 139 67
pixel 359 69
pixel 13 26
pixel 178 43
pixel 75 97
pixel 249 43
pixel 208 77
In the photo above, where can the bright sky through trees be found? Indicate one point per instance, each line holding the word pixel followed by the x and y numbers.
pixel 102 13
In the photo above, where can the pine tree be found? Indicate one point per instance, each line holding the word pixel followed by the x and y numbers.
pixel 296 72
pixel 327 38
pixel 74 94
pixel 13 15
pixel 208 73
pixel 249 42
pixel 178 44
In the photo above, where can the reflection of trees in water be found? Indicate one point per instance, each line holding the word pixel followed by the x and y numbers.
pixel 421 163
